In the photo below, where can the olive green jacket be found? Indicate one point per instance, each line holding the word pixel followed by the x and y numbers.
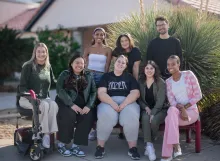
pixel 159 91
pixel 68 96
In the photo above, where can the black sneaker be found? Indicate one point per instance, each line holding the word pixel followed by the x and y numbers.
pixel 133 153
pixel 100 151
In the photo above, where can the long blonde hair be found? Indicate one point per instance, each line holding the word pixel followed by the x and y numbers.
pixel 33 57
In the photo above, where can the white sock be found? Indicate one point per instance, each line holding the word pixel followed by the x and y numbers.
pixel 60 144
pixel 74 145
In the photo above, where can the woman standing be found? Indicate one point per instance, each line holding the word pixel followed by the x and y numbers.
pixel 98 58
pixel 125 46
pixel 183 92
pixel 37 74
pixel 76 94
pixel 152 103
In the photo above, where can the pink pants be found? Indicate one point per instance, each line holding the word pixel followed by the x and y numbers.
pixel 172 123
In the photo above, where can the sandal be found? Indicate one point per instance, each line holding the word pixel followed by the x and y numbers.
pixel 77 152
pixel 64 152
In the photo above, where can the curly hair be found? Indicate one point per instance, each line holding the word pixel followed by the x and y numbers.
pixel 143 77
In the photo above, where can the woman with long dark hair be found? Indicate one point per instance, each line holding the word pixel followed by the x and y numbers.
pixel 98 58
pixel 152 103
pixel 125 46
pixel 76 94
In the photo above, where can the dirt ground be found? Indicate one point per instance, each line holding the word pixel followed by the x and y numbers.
pixel 8 126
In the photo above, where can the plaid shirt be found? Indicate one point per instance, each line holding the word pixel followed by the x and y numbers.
pixel 192 87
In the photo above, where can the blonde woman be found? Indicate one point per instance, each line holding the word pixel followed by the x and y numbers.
pixel 37 74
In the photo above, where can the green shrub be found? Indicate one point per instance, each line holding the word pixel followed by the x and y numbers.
pixel 199 36
pixel 60 47
pixel 13 52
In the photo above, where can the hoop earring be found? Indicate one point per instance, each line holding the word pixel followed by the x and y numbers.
pixel 166 71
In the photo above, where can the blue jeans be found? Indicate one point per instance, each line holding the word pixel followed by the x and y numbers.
pixel 97 77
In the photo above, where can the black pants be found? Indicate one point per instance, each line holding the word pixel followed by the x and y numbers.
pixel 67 120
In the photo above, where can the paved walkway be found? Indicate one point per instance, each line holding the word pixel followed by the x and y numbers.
pixel 116 150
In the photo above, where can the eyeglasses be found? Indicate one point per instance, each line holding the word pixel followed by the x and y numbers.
pixel 161 25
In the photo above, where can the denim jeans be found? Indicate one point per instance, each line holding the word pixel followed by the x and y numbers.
pixel 97 77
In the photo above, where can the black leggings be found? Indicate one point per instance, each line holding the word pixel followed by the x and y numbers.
pixel 67 120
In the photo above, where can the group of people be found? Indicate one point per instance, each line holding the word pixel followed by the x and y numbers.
pixel 88 92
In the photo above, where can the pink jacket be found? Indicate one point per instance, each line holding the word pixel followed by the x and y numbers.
pixel 193 89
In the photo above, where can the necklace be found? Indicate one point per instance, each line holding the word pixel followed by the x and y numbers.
pixel 177 77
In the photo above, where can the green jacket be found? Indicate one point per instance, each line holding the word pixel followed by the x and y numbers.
pixel 68 96
pixel 159 91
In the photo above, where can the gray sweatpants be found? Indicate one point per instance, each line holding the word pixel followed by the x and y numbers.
pixel 128 118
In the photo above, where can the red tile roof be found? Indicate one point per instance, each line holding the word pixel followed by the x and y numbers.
pixel 213 5
pixel 20 21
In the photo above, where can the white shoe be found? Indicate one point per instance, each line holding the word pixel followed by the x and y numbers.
pixel 46 141
pixel 92 135
pixel 168 159
pixel 146 151
pixel 151 153
pixel 176 154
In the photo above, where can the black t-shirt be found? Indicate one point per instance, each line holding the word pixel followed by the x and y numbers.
pixel 159 50
pixel 118 85
pixel 133 56
pixel 80 101
pixel 149 96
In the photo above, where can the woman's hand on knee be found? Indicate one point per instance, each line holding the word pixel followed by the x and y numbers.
pixel 148 110
pixel 76 109
pixel 122 106
pixel 151 118
pixel 184 115
pixel 85 110
pixel 180 106
pixel 115 106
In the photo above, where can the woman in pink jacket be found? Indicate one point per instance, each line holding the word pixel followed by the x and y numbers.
pixel 183 92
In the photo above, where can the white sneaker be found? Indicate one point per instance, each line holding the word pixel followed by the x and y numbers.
pixel 46 141
pixel 176 154
pixel 168 159
pixel 92 135
pixel 151 153
pixel 146 151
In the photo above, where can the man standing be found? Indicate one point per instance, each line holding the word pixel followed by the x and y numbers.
pixel 160 48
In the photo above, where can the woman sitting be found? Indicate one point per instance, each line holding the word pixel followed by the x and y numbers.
pixel 37 74
pixel 183 92
pixel 153 94
pixel 76 94
pixel 118 92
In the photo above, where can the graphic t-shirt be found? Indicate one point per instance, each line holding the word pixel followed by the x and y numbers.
pixel 118 85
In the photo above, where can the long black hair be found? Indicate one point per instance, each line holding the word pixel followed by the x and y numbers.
pixel 156 76
pixel 74 81
pixel 99 29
